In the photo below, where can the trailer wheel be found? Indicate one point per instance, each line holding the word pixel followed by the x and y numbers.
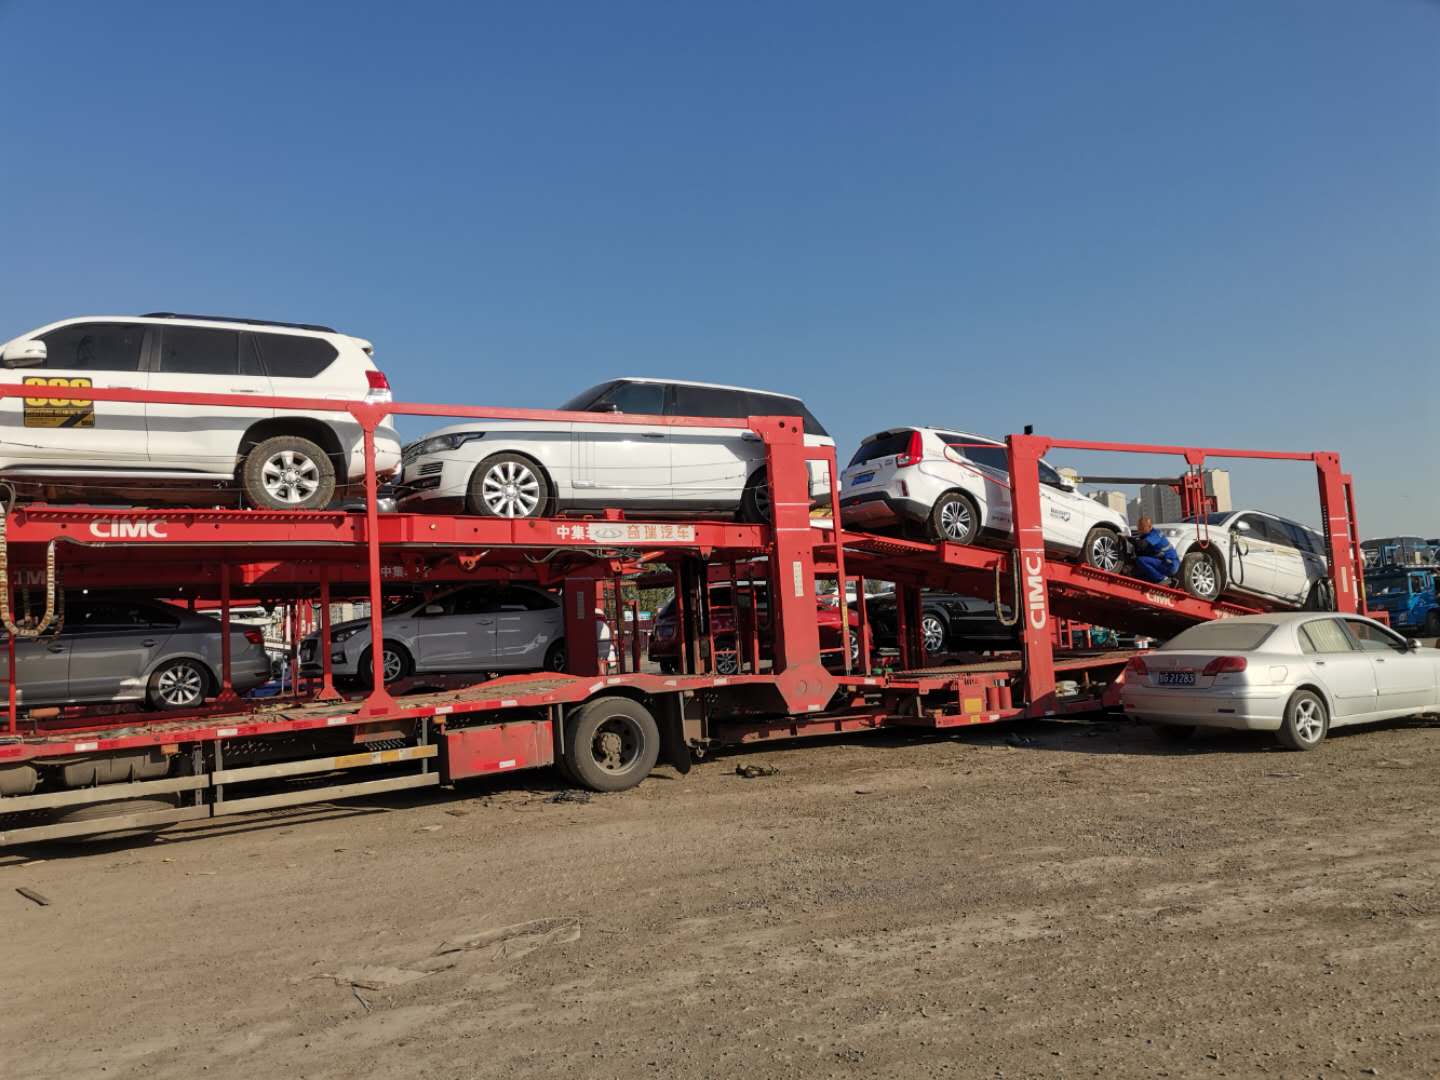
pixel 1202 575
pixel 954 519
pixel 99 811
pixel 611 743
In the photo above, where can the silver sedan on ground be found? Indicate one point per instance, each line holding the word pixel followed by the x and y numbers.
pixel 1297 674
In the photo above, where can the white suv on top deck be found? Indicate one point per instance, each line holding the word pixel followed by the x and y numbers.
pixel 149 452
pixel 956 487
pixel 533 468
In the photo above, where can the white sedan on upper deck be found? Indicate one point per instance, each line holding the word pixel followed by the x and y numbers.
pixel 1297 674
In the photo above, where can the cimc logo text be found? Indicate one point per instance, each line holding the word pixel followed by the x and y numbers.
pixel 1033 565
pixel 119 529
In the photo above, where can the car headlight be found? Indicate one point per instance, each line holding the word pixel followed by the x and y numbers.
pixel 345 635
pixel 439 443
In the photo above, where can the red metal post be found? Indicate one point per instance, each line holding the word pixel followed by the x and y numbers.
pixel 14 712
pixel 379 700
pixel 845 631
pixel 1024 452
pixel 581 628
pixel 1341 533
pixel 902 628
pixel 295 648
pixel 635 634
pixel 227 688
pixel 864 626
pixel 327 675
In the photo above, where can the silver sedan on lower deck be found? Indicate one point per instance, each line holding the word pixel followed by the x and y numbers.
pixel 1298 674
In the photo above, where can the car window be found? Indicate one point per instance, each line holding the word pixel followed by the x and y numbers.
pixel 199 350
pixel 647 399
pixel 894 442
pixel 100 616
pixel 992 457
pixel 583 400
pixel 160 617
pixel 709 401
pixel 1272 531
pixel 94 347
pixel 512 598
pixel 758 404
pixel 1223 635
pixel 291 356
pixel 1372 637
pixel 1325 636
pixel 1049 476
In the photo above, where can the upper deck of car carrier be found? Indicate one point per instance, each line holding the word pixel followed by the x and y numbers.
pixel 75 771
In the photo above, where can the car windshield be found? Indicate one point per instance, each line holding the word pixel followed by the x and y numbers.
pixel 1392 584
pixel 1224 635
pixel 583 400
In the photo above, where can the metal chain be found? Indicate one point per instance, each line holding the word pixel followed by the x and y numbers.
pixel 28 627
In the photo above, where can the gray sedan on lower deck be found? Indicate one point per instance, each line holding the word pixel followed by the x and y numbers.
pixel 1298 674
pixel 113 649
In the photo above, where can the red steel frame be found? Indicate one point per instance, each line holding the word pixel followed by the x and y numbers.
pixel 259 553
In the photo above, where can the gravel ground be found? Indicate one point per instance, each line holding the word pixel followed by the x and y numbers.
pixel 1051 900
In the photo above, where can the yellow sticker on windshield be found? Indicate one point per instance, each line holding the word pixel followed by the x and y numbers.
pixel 58 411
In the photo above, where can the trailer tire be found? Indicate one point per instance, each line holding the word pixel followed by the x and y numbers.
pixel 286 472
pixel 96 811
pixel 1202 575
pixel 611 743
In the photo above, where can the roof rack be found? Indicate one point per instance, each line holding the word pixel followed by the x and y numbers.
pixel 235 319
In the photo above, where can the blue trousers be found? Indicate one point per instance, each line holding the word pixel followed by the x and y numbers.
pixel 1153 568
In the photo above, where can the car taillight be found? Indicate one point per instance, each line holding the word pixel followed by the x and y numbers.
pixel 1137 666
pixel 255 637
pixel 913 453
pixel 1222 665
pixel 379 386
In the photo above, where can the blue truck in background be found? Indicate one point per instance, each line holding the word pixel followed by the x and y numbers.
pixel 1407 596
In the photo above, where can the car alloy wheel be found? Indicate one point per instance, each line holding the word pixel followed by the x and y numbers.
pixel 510 489
pixel 1202 578
pixel 1309 720
pixel 727 662
pixel 932 633
pixel 1105 552
pixel 181 685
pixel 290 476
pixel 392 664
pixel 955 521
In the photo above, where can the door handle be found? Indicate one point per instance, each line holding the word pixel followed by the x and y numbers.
pixel 149 643
pixel 652 435
pixel 243 390
pixel 54 648
pixel 750 436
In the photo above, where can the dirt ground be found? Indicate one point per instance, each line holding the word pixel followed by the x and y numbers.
pixel 1054 900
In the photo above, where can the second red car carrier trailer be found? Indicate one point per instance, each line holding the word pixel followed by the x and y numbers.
pixel 66 773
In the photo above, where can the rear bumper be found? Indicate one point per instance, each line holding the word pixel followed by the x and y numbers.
pixel 1255 708
pixel 880 508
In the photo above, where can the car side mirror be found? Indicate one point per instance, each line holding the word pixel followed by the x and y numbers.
pixel 1412 643
pixel 433 609
pixel 606 407
pixel 28 352
pixel 1241 527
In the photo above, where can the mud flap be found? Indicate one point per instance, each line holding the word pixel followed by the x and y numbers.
pixel 673 748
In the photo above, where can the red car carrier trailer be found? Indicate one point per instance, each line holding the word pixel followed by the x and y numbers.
pixel 72 772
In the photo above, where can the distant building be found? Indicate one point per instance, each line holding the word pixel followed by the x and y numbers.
pixel 1161 502
pixel 1132 510
pixel 1115 500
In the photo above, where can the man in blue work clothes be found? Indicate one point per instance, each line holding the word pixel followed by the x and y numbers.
pixel 1155 557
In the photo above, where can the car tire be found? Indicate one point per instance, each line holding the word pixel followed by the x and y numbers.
pixel 286 472
pixel 1104 550
pixel 669 667
pixel 1202 576
pixel 556 658
pixel 508 486
pixel 727 658
pixel 398 664
pixel 1174 733
pixel 1306 723
pixel 179 684
pixel 611 743
pixel 954 519
pixel 934 632
pixel 1321 596
pixel 755 506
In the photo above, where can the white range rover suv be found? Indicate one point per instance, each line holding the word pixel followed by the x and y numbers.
pixel 53 444
pixel 530 468
pixel 956 487
pixel 1249 551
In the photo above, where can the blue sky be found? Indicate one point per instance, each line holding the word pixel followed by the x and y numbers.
pixel 1215 223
